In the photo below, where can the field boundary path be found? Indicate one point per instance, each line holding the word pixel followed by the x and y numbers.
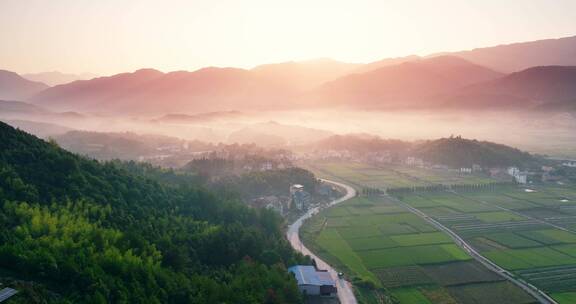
pixel 345 290
pixel 538 294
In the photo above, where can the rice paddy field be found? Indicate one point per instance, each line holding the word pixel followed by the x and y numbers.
pixel 530 232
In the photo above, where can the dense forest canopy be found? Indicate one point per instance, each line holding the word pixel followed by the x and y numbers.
pixel 90 232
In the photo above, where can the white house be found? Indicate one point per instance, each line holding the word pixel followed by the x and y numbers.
pixel 521 177
pixel 513 171
pixel 299 197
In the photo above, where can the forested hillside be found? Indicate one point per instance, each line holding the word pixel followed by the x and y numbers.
pixel 458 152
pixel 74 230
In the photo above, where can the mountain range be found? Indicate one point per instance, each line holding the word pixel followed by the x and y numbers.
pixel 518 76
pixel 515 57
pixel 410 83
pixel 534 86
pixel 56 78
pixel 15 87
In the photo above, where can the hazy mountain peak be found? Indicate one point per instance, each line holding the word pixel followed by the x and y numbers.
pixel 407 84
pixel 15 87
pixel 147 71
pixel 519 56
pixel 54 78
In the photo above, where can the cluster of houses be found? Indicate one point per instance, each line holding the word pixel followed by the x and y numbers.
pixel 299 199
pixel 520 177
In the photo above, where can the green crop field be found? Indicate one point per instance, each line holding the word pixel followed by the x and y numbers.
pixel 530 232
pixel 400 253
pixel 362 175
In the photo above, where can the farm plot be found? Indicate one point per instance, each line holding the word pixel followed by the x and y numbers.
pixel 363 175
pixel 552 279
pixel 392 176
pixel 515 259
pixel 512 240
pixel 490 293
pixel 375 239
pixel 410 295
pixel 459 203
pixel 413 255
pixel 460 273
pixel 394 277
pixel 565 297
pixel 538 197
pixel 517 234
pixel 396 250
pixel 442 176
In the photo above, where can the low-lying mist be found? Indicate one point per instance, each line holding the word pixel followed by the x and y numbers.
pixel 545 133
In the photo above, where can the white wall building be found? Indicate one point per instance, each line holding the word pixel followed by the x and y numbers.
pixel 300 198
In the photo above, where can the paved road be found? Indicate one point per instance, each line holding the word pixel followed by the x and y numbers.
pixel 345 291
pixel 529 288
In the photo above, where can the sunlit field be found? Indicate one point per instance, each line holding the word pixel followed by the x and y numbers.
pixel 528 232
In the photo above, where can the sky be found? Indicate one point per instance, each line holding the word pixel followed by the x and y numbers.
pixel 111 36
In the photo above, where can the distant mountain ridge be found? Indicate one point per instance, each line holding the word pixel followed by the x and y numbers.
pixel 56 78
pixel 529 88
pixel 467 79
pixel 15 87
pixel 304 75
pixel 9 107
pixel 410 84
pixel 515 57
pixel 85 95
pixel 151 91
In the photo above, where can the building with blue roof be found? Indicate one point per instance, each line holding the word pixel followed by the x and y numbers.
pixel 312 281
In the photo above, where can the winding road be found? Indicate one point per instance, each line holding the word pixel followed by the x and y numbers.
pixel 345 290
